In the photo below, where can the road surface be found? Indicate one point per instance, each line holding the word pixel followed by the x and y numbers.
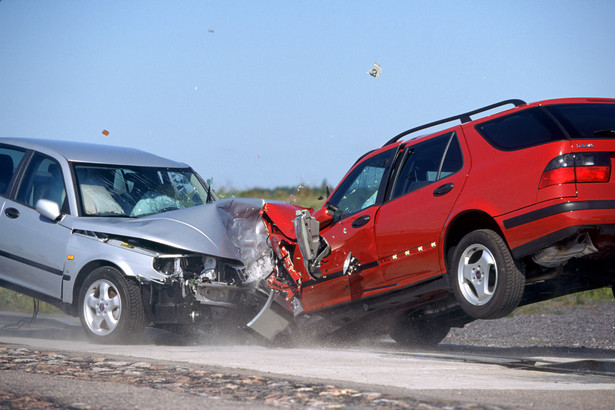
pixel 447 376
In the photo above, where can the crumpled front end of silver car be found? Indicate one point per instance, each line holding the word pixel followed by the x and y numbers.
pixel 202 263
pixel 227 282
pixel 231 279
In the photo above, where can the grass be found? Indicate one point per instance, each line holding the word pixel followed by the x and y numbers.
pixel 16 302
pixel 303 195
pixel 576 299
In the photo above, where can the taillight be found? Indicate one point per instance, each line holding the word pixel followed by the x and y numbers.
pixel 581 167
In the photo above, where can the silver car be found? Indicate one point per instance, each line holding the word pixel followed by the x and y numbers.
pixel 125 239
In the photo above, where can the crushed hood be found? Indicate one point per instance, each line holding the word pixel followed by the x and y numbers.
pixel 227 228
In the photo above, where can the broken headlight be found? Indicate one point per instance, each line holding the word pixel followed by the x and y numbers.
pixel 202 268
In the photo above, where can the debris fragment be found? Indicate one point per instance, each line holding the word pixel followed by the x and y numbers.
pixel 105 132
pixel 375 71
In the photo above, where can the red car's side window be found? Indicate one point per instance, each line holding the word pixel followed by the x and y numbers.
pixel 427 162
pixel 364 186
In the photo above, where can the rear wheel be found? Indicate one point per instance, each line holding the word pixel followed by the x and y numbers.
pixel 419 332
pixel 487 282
pixel 110 307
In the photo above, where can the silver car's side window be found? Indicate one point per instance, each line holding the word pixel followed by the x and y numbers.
pixel 43 180
pixel 9 159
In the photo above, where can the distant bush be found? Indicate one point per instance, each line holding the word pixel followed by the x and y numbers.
pixel 302 195
pixel 16 302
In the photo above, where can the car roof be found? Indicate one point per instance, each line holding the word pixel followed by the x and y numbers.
pixel 465 118
pixel 94 153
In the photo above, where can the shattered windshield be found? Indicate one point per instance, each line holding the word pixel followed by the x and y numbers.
pixel 109 190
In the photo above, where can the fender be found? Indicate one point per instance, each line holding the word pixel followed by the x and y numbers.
pixel 282 216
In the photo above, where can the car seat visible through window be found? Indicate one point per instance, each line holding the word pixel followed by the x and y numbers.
pixel 6 172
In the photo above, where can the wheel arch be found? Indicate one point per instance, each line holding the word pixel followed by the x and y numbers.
pixel 83 274
pixel 464 223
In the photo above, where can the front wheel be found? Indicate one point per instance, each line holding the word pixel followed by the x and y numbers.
pixel 111 309
pixel 486 280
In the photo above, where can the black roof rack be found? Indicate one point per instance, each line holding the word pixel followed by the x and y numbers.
pixel 465 117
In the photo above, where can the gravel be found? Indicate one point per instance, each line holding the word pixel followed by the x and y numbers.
pixel 566 324
pixel 562 327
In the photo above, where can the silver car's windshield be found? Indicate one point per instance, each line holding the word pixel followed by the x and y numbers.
pixel 109 190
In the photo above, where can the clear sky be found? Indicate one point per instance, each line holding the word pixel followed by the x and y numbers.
pixel 269 93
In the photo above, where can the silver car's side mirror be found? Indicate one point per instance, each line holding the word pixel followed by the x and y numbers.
pixel 48 209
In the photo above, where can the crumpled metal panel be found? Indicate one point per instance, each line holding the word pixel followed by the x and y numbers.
pixel 228 228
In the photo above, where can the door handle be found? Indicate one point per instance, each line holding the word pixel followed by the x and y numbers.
pixel 11 213
pixel 443 189
pixel 359 222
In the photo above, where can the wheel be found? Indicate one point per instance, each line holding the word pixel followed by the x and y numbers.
pixel 486 280
pixel 111 308
pixel 419 332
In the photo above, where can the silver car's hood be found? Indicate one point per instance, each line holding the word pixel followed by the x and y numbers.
pixel 215 229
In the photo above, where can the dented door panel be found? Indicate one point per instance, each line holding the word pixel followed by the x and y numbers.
pixel 334 287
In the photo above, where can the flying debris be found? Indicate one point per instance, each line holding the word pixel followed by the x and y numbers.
pixel 105 132
pixel 375 71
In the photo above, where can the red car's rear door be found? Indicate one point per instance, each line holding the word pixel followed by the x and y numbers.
pixel 408 227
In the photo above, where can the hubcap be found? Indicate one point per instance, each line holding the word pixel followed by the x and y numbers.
pixel 477 274
pixel 102 307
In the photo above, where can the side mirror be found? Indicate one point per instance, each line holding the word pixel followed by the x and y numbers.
pixel 48 209
pixel 323 216
pixel 312 246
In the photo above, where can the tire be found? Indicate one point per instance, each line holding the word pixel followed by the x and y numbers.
pixel 419 332
pixel 486 280
pixel 110 307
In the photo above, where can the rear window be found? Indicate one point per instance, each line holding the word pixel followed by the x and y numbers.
pixel 520 130
pixel 586 120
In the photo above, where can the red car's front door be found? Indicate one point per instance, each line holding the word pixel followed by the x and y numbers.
pixel 357 201
pixel 334 287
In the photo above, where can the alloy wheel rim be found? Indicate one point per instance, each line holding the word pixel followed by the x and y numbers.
pixel 102 307
pixel 477 274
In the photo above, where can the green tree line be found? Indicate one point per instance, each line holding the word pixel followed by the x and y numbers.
pixel 302 195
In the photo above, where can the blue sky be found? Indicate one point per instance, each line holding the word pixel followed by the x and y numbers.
pixel 269 93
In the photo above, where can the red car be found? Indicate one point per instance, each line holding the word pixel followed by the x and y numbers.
pixel 437 230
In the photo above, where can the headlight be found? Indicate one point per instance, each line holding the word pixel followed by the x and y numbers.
pixel 188 266
pixel 165 264
pixel 200 268
pixel 209 268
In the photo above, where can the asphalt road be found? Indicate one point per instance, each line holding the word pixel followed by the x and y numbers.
pixel 51 362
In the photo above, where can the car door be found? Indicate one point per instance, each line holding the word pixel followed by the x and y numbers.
pixel 356 201
pixel 33 247
pixel 424 188
pixel 10 158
